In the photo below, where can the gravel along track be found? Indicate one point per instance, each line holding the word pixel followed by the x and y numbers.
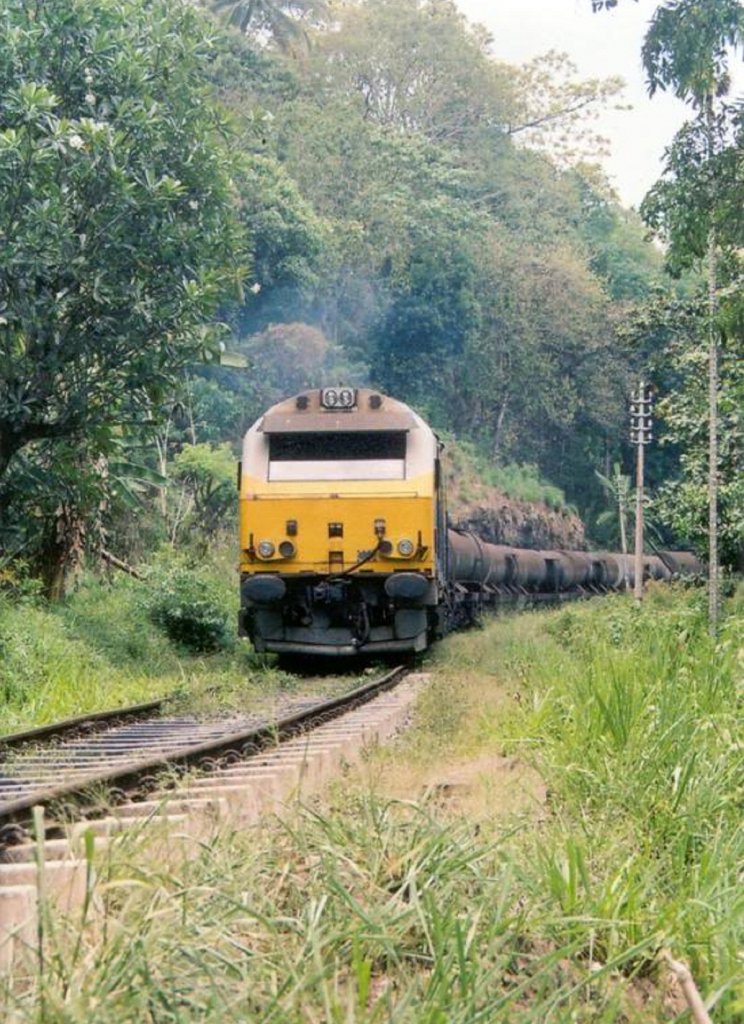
pixel 250 772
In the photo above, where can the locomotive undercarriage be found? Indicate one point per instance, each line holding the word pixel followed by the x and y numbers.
pixel 465 604
pixel 315 614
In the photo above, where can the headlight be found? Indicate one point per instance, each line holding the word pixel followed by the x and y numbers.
pixel 406 548
pixel 287 549
pixel 265 549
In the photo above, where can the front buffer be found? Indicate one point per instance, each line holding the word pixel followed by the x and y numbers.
pixel 339 616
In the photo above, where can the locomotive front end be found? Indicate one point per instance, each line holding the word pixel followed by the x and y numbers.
pixel 339 526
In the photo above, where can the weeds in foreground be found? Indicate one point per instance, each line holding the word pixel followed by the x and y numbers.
pixel 634 721
pixel 376 911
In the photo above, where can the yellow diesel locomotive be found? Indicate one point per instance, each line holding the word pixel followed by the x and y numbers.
pixel 342 526
pixel 345 547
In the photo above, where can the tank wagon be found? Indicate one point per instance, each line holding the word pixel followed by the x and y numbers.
pixel 345 545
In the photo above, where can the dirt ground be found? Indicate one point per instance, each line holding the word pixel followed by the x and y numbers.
pixel 484 786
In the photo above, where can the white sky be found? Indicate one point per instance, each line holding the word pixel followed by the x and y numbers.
pixel 602 44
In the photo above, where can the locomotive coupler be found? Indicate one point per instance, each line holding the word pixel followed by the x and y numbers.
pixel 330 592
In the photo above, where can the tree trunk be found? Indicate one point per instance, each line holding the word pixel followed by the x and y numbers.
pixel 5 457
pixel 713 583
pixel 161 446
pixel 117 563
pixel 499 427
pixel 8 447
pixel 60 559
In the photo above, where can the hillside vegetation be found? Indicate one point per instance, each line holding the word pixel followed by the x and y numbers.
pixel 508 504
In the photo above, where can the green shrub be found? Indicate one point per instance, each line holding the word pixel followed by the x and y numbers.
pixel 17 583
pixel 190 606
pixel 109 616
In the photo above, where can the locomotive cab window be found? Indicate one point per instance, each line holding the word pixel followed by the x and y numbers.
pixel 356 455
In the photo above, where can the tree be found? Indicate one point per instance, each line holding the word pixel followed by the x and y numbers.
pixel 620 495
pixel 617 240
pixel 281 19
pixel 553 109
pixel 285 358
pixel 207 474
pixel 683 503
pixel 60 500
pixel 398 205
pixel 287 248
pixel 117 218
pixel 543 369
pixel 116 213
pixel 687 50
pixel 419 66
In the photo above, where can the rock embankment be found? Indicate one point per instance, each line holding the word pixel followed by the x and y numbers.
pixel 535 515
pixel 522 524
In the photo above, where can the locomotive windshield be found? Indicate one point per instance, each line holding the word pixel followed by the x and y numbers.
pixel 330 455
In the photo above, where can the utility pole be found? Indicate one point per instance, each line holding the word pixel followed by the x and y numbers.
pixel 640 436
pixel 622 496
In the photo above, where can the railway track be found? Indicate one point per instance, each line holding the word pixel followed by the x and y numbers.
pixel 117 783
pixel 82 725
pixel 75 760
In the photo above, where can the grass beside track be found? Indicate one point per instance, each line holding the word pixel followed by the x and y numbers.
pixel 417 893
pixel 99 649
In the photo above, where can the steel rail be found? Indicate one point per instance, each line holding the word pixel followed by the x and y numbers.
pixel 68 726
pixel 244 742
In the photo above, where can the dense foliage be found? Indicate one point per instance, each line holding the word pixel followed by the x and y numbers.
pixel 467 262
pixel 417 215
pixel 118 230
pixel 101 648
pixel 696 207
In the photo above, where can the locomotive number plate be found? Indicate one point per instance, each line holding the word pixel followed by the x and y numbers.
pixel 338 398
